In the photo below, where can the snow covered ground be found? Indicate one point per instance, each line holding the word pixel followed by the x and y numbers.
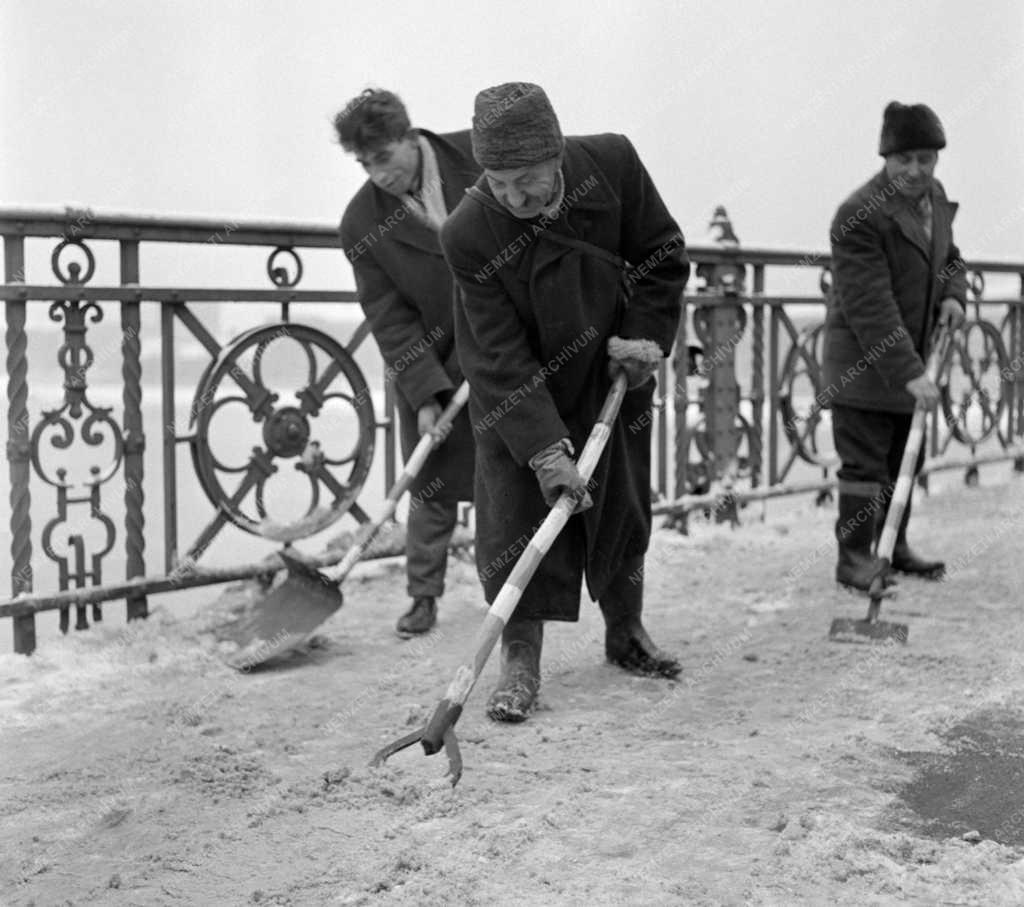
pixel 780 769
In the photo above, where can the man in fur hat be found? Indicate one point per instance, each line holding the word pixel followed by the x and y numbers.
pixel 390 235
pixel 549 311
pixel 897 273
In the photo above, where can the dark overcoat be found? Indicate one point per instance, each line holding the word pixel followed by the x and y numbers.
pixel 532 322
pixel 889 283
pixel 406 291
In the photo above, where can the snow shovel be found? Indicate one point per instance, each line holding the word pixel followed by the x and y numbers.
pixel 284 618
pixel 440 729
pixel 871 629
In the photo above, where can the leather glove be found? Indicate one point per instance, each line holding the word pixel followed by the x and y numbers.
pixel 557 473
pixel 637 358
pixel 426 420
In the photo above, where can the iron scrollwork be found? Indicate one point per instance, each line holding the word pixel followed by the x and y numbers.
pixel 77 420
pixel 238 378
pixel 801 400
pixel 975 383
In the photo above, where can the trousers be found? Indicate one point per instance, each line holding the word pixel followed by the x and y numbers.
pixel 430 528
pixel 870 445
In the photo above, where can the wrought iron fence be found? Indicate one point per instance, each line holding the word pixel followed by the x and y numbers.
pixel 739 414
pixel 752 421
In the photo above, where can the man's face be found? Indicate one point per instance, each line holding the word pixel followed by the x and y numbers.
pixel 392 167
pixel 911 171
pixel 525 191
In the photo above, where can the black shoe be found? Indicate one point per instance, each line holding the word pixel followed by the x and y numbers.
pixel 515 696
pixel 905 561
pixel 633 650
pixel 419 619
pixel 626 642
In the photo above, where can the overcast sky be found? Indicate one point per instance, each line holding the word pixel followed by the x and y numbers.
pixel 772 108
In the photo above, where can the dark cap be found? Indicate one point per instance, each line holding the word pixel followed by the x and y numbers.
pixel 514 125
pixel 909 126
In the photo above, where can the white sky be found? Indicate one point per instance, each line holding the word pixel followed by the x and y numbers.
pixel 772 108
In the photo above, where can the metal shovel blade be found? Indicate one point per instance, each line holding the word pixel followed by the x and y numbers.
pixel 848 629
pixel 871 629
pixel 273 623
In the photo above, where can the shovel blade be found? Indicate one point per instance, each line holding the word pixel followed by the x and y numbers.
pixel 848 629
pixel 274 622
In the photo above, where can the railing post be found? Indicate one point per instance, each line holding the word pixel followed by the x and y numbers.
pixel 134 439
pixel 757 381
pixel 18 444
pixel 169 433
pixel 391 432
pixel 773 396
pixel 681 402
pixel 1016 427
pixel 719 327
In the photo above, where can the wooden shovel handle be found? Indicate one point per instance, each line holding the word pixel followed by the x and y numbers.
pixel 450 707
pixel 413 465
pixel 905 480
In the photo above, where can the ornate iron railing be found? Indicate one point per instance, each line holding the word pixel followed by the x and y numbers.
pixel 234 376
pixel 738 414
pixel 776 432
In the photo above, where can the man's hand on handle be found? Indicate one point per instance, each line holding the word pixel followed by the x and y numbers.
pixel 637 358
pixel 951 314
pixel 426 421
pixel 925 391
pixel 557 473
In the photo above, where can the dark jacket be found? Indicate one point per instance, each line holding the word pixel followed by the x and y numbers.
pixel 406 291
pixel 532 322
pixel 889 283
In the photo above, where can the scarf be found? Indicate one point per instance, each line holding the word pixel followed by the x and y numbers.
pixel 427 205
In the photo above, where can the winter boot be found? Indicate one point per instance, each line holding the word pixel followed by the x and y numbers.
pixel 626 642
pixel 419 619
pixel 906 561
pixel 855 532
pixel 516 693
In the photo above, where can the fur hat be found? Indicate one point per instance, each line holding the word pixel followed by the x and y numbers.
pixel 514 125
pixel 909 126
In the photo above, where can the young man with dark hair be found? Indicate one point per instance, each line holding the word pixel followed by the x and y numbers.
pixel 390 235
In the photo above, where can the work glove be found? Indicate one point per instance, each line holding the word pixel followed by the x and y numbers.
pixel 557 473
pixel 637 358
pixel 426 421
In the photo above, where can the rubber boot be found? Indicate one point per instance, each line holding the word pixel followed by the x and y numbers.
pixel 855 532
pixel 906 561
pixel 516 693
pixel 626 642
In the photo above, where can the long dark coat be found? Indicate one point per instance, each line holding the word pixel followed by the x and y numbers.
pixel 889 283
pixel 406 291
pixel 532 323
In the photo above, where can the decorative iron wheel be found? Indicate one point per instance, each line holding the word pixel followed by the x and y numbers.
pixel 293 418
pixel 799 394
pixel 973 384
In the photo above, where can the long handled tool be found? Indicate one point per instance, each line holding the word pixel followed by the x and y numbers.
pixel 440 729
pixel 286 616
pixel 871 629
